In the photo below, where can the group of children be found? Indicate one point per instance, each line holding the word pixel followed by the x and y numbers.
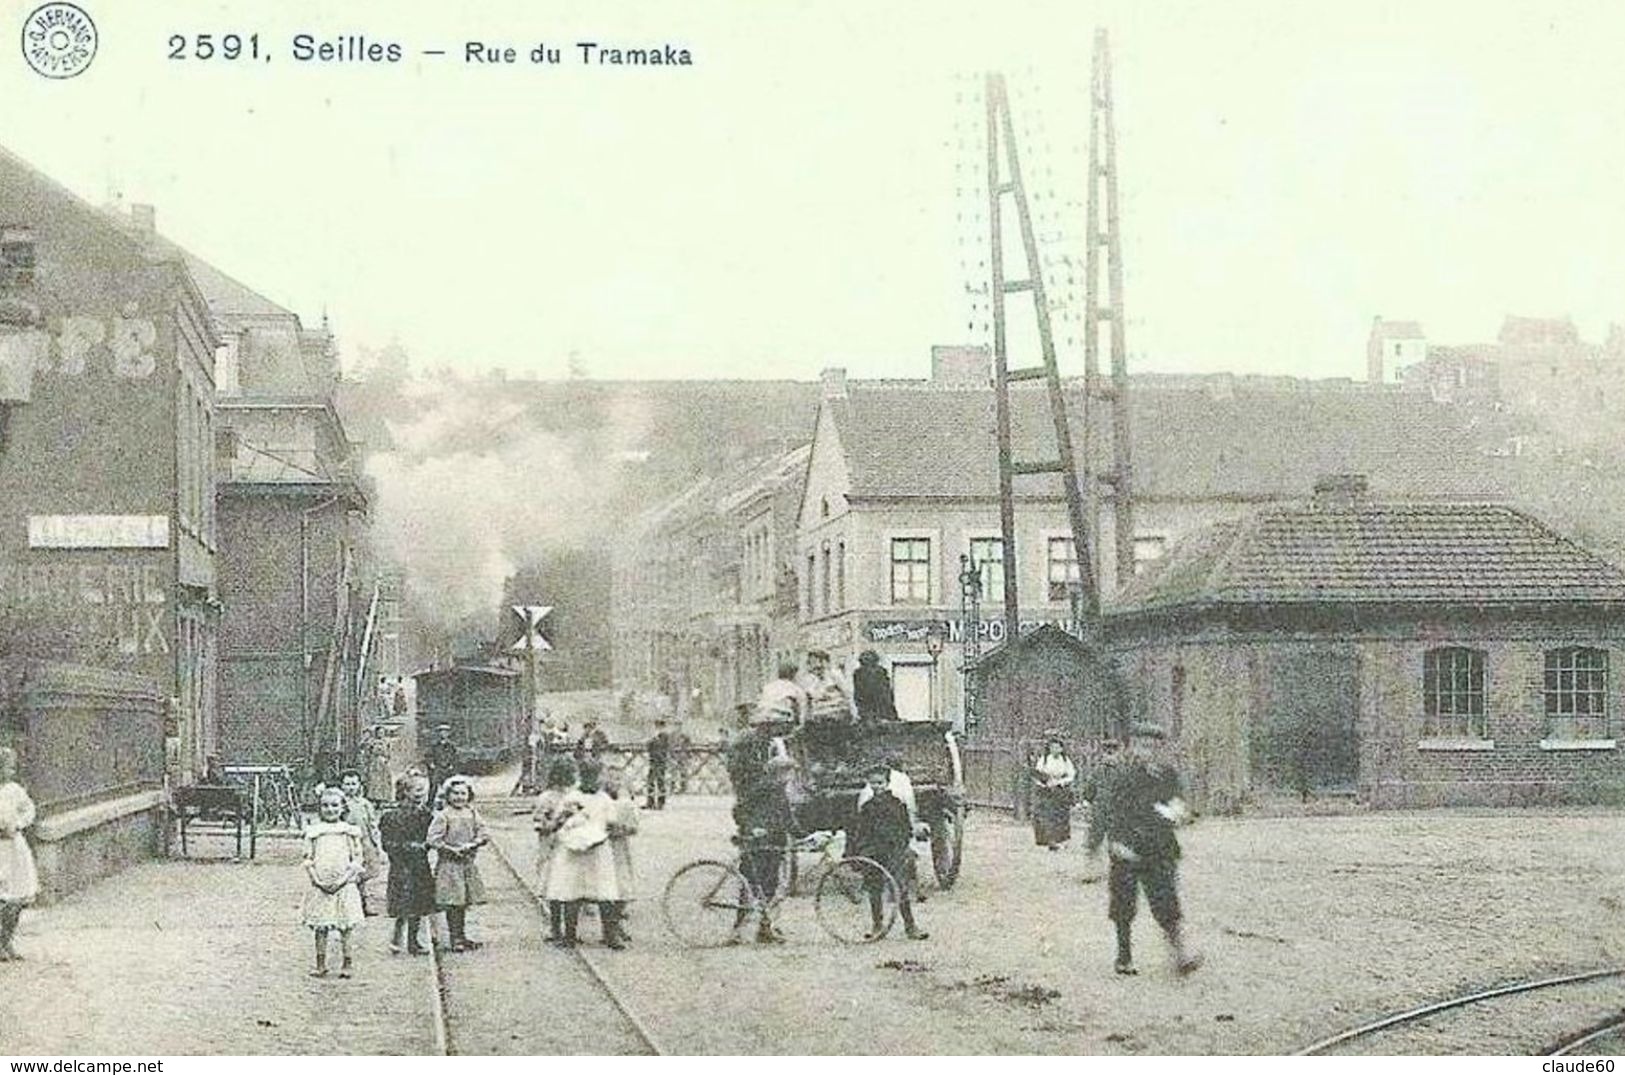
pixel 345 848
pixel 584 820
pixel 585 817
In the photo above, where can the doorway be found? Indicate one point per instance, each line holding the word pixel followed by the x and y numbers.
pixel 1310 721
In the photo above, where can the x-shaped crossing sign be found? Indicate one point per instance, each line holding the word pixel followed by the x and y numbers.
pixel 532 639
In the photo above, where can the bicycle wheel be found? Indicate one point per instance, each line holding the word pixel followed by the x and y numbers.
pixel 705 902
pixel 856 901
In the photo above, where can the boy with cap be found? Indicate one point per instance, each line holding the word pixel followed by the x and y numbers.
pixel 1140 805
pixel 882 833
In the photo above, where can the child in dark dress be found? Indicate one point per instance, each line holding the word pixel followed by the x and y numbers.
pixel 411 886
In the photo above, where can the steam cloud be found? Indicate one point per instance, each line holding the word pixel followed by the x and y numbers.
pixel 480 484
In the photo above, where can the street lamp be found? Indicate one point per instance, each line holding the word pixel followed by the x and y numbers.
pixel 935 639
pixel 970 611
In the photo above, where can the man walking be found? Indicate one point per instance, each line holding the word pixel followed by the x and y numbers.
pixel 1141 803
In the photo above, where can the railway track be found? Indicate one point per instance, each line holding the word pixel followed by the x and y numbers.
pixel 1484 1019
pixel 534 1000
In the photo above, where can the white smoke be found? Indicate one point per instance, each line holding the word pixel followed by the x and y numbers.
pixel 477 486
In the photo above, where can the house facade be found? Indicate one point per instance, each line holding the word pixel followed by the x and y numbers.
pixel 109 604
pixel 302 617
pixel 704 598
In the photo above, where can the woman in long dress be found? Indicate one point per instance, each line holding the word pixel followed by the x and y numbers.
pixel 19 880
pixel 1053 792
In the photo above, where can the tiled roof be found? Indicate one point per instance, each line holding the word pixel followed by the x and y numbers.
pixel 1437 554
pixel 933 441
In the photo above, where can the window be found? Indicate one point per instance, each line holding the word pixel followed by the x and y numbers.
pixel 1176 698
pixel 1576 690
pixel 1453 693
pixel 812 580
pixel 840 575
pixel 1148 548
pixel 910 570
pixel 824 588
pixel 1063 568
pixel 17 254
pixel 988 556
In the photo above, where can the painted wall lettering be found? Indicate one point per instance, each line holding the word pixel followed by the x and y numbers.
pixel 123 602
pixel 75 344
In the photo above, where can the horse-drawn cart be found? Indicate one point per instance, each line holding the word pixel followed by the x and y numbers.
pixel 830 767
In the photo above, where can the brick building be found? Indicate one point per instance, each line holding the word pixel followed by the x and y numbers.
pixel 107 515
pixel 300 620
pixel 1412 653
pixel 108 594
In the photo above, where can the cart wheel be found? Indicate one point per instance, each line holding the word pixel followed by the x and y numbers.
pixel 705 902
pixel 844 901
pixel 948 844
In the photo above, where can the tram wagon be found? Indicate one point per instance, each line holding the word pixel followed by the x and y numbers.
pixel 483 704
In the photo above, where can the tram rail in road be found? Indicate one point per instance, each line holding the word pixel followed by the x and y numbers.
pixel 1399 1022
pixel 455 1032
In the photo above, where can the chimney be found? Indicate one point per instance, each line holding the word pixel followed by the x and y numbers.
pixel 961 364
pixel 145 219
pixel 1341 490
pixel 1373 352
pixel 834 379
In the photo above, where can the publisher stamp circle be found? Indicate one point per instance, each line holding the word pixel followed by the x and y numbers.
pixel 59 40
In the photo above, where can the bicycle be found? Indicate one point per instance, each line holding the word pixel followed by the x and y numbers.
pixel 707 902
pixel 270 788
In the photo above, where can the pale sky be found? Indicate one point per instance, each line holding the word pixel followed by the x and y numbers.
pixel 1288 170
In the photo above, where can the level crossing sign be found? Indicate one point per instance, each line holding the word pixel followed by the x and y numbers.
pixel 531 638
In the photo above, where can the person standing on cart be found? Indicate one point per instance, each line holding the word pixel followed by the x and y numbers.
pixel 872 689
pixel 1142 802
pixel 758 768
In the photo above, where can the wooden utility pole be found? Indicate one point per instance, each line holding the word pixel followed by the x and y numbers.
pixel 1103 187
pixel 1004 182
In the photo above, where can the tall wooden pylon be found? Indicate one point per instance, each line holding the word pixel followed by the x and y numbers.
pixel 1004 182
pixel 1103 187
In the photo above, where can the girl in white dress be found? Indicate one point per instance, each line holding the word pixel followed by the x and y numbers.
pixel 583 866
pixel 551 811
pixel 19 881
pixel 333 864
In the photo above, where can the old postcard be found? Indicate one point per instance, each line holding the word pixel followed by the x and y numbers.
pixel 780 528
